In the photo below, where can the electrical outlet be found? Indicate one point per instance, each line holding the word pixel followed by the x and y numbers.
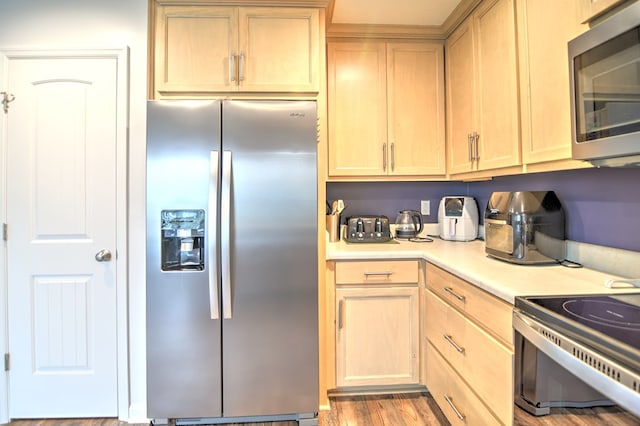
pixel 425 207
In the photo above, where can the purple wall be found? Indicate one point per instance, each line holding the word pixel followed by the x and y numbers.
pixel 602 206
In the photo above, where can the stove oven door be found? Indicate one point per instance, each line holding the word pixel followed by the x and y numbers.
pixel 542 383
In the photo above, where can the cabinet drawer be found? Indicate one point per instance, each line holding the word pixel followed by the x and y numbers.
pixel 491 312
pixel 445 330
pixel 453 396
pixel 485 364
pixel 377 272
pixel 488 369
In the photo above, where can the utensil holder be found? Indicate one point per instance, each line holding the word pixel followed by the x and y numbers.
pixel 333 227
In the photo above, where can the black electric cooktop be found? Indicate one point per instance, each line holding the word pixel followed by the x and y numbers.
pixel 609 322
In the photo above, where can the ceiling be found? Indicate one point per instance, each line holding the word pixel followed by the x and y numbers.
pixel 393 12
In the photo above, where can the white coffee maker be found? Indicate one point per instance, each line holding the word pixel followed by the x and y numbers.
pixel 458 218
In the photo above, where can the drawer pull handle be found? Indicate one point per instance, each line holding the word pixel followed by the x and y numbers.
pixel 456 295
pixel 453 407
pixel 453 343
pixel 381 273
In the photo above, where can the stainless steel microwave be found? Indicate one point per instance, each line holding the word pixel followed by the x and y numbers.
pixel 605 90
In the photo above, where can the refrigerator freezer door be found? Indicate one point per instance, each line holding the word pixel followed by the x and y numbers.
pixel 270 343
pixel 183 342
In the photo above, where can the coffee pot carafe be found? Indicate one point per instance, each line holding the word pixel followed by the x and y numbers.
pixel 408 224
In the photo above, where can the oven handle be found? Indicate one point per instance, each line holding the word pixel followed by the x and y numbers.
pixel 531 330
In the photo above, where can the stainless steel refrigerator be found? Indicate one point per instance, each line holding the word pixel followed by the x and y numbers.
pixel 232 295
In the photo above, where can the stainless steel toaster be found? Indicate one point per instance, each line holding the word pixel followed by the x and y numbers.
pixel 525 227
pixel 368 229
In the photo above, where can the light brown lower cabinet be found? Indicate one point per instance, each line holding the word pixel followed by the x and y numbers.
pixel 477 363
pixel 377 333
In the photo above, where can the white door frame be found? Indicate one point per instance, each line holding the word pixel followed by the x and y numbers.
pixel 122 57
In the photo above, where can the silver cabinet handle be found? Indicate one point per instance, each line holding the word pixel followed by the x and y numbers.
pixel 469 148
pixel 476 154
pixel 453 407
pixel 449 339
pixel 225 234
pixel 393 157
pixel 241 78
pixel 232 66
pixel 384 157
pixel 380 273
pixel 103 255
pixel 340 314
pixel 456 295
pixel 212 235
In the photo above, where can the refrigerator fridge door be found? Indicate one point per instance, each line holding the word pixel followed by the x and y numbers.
pixel 183 341
pixel 232 307
pixel 270 340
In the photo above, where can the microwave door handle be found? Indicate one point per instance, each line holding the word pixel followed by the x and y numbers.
pixel 225 234
pixel 212 235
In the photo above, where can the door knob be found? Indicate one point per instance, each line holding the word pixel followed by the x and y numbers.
pixel 103 255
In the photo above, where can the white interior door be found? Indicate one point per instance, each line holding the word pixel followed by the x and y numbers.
pixel 61 211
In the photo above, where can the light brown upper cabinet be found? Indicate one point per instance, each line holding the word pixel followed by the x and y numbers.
pixel 202 49
pixel 482 91
pixel 386 109
pixel 544 77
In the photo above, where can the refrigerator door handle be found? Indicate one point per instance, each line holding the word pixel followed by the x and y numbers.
pixel 225 234
pixel 214 304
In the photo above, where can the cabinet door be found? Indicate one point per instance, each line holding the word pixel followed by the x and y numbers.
pixel 544 77
pixel 193 47
pixel 357 108
pixel 377 336
pixel 415 102
pixel 460 97
pixel 279 49
pixel 496 71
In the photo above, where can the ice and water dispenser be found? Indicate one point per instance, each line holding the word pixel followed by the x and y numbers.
pixel 183 240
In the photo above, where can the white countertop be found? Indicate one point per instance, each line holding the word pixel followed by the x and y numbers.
pixel 469 261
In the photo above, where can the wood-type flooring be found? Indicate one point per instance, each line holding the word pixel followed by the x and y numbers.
pixel 400 410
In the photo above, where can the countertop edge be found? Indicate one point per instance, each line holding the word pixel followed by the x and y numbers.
pixel 469 261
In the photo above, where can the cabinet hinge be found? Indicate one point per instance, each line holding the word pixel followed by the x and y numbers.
pixel 5 231
pixel 7 361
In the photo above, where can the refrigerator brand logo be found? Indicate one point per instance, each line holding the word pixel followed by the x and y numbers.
pixel 297 114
